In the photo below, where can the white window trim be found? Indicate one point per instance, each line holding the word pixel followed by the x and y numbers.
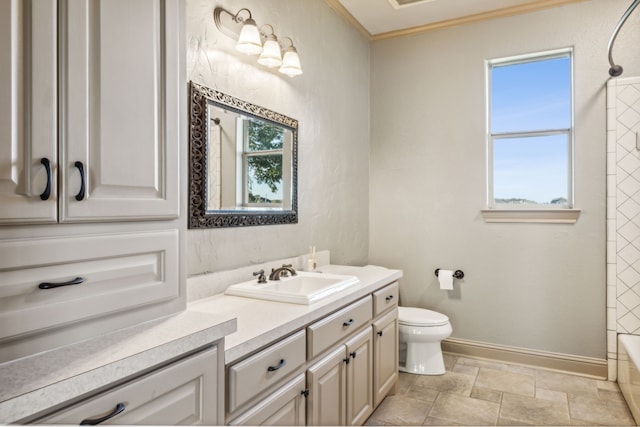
pixel 564 214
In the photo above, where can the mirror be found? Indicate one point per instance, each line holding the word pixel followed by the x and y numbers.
pixel 243 163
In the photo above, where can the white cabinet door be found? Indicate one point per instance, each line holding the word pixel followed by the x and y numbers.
pixel 385 358
pixel 120 109
pixel 360 378
pixel 326 381
pixel 28 131
pixel 284 407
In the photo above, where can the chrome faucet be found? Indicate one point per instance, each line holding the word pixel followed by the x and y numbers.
pixel 283 271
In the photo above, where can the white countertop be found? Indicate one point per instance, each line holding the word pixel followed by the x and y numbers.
pixel 261 322
pixel 38 383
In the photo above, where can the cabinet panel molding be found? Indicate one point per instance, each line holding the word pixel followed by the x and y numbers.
pixel 28 111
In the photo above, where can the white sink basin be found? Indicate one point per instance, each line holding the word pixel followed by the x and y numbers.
pixel 304 288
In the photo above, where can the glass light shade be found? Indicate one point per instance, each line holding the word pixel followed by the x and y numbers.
pixel 271 55
pixel 249 41
pixel 291 63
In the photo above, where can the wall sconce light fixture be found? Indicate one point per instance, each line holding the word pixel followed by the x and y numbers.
pixel 262 41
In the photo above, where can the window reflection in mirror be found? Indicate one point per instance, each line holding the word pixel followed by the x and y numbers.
pixel 253 158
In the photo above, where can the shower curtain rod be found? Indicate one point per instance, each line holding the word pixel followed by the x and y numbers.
pixel 616 70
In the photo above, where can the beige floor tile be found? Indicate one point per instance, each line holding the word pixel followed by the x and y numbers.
pixel 421 393
pixel 607 385
pixel 502 421
pixel 569 384
pixel 465 369
pixel 600 411
pixel 451 382
pixel 535 411
pixel 510 382
pixel 465 410
pixel 522 369
pixel 486 394
pixel 405 381
pixel 476 392
pixel 555 396
pixel 402 411
pixel 449 361
pixel 433 421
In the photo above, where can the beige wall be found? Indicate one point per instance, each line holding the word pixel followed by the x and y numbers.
pixel 526 285
pixel 330 101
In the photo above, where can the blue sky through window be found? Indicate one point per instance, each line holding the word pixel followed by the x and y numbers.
pixel 525 97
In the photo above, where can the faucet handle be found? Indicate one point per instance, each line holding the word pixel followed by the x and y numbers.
pixel 261 277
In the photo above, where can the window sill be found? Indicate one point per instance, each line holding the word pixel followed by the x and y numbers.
pixel 546 216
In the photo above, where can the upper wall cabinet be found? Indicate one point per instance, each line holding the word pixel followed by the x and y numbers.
pixel 89 110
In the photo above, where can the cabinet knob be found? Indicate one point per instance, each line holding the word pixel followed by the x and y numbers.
pixel 47 167
pixel 353 354
pixel 305 392
pixel 348 322
pixel 379 333
pixel 389 298
pixel 94 421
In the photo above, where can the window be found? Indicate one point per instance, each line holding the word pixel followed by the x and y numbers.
pixel 530 131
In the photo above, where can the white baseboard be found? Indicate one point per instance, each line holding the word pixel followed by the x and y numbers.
pixel 579 365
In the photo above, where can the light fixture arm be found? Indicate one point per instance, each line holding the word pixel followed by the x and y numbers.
pixel 290 41
pixel 265 34
pixel 235 17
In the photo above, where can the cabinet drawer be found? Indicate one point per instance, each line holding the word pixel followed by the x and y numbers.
pixel 385 298
pixel 118 271
pixel 254 375
pixel 332 328
pixel 181 393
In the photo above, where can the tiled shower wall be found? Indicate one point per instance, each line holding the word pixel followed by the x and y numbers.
pixel 623 213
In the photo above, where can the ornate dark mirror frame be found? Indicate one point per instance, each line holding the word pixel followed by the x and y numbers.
pixel 199 217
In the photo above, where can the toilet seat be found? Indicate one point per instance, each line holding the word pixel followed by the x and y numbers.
pixel 413 316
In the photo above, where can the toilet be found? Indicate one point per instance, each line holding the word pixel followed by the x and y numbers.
pixel 421 332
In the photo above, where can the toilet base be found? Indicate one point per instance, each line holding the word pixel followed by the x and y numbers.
pixel 422 358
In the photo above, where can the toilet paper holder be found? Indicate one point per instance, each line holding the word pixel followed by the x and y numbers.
pixel 458 274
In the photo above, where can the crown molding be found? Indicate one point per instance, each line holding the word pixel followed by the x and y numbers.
pixel 533 6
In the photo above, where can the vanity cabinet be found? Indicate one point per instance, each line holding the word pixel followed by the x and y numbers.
pixel 350 366
pixel 90 133
pixel 182 393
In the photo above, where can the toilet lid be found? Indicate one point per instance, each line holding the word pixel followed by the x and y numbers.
pixel 413 316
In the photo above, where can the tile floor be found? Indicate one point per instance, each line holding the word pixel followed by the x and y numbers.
pixel 475 392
